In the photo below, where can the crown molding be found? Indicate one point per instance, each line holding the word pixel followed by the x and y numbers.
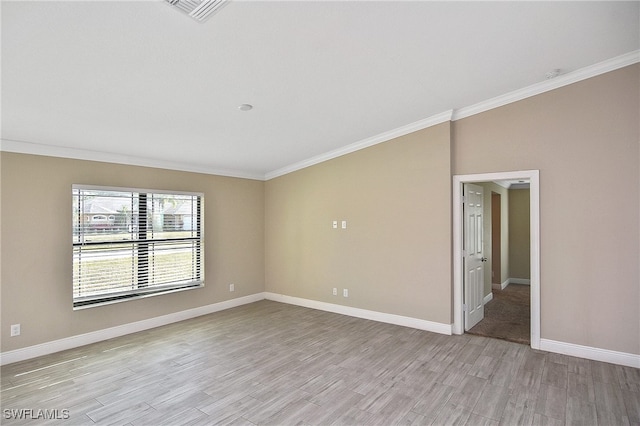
pixel 464 112
pixel 365 143
pixel 548 85
pixel 21 147
pixel 451 115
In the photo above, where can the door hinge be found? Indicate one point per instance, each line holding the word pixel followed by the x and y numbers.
pixel 464 307
pixel 464 199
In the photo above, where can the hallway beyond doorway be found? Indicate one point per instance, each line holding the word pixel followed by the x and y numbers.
pixel 507 316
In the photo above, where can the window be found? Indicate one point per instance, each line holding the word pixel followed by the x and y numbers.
pixel 130 243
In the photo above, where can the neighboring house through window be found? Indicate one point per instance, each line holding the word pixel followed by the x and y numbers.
pixel 131 243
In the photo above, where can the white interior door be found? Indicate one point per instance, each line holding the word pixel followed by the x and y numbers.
pixel 473 255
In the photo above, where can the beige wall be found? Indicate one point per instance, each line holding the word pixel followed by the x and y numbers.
pixel 584 140
pixel 36 244
pixel 395 255
pixel 519 234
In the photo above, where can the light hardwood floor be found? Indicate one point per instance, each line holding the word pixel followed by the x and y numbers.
pixel 275 364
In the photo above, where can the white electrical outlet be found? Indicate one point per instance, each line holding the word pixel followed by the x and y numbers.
pixel 344 224
pixel 232 287
pixel 335 291
pixel 15 330
pixel 345 292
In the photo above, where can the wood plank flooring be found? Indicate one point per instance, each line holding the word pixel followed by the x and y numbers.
pixel 269 363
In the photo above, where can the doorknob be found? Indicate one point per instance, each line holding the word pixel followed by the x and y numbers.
pixel 484 259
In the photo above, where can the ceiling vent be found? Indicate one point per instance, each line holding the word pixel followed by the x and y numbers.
pixel 198 9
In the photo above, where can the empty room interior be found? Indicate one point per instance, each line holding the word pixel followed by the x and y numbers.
pixel 308 212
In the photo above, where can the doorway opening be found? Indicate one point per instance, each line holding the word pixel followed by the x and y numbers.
pixel 504 302
pixel 532 176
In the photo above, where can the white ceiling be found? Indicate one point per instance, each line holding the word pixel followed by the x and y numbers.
pixel 138 79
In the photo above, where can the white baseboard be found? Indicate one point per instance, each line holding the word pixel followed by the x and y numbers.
pixel 505 283
pixel 121 330
pixel 524 281
pixel 420 324
pixel 587 352
pixel 488 298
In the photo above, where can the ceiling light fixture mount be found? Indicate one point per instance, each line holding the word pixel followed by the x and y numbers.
pixel 198 9
pixel 552 74
pixel 245 107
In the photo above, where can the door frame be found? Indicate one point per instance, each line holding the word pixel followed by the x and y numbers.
pixel 458 269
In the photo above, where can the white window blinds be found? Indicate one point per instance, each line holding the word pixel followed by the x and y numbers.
pixel 131 243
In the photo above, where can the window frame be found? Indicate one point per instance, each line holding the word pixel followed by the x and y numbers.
pixel 141 243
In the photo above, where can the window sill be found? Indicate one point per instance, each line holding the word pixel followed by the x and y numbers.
pixel 128 297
